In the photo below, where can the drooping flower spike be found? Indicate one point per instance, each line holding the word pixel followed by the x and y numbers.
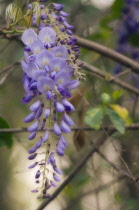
pixel 50 67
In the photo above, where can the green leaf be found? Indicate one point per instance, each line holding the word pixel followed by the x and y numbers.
pixel 94 117
pixel 118 198
pixel 5 138
pixel 116 120
pixel 117 7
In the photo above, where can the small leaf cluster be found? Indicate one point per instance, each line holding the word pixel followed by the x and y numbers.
pixel 117 114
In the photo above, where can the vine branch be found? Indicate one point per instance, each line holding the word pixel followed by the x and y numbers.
pixel 107 52
pixel 134 126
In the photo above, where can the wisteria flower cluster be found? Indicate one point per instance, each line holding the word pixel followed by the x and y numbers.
pixel 51 71
pixel 128 26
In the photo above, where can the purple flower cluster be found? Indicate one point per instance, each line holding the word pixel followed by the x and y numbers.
pixel 49 67
pixel 128 26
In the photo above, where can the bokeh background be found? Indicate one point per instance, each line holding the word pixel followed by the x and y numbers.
pixel 96 20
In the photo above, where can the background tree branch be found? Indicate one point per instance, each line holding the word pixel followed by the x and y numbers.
pixel 107 52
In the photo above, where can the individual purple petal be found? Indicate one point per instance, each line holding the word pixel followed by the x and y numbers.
pixel 65 92
pixel 37 174
pixel 52 75
pixel 61 18
pixel 28 36
pixel 32 150
pixel 56 169
pixel 68 106
pixel 38 113
pixel 59 107
pixel 69 32
pixel 45 137
pixel 33 127
pixel 27 48
pixel 68 120
pixel 49 95
pixel 64 14
pixel 31 69
pixel 52 158
pixel 31 157
pixel 64 127
pixel 38 144
pixel 73 84
pixel 26 99
pixel 59 151
pixel 24 66
pixel 29 117
pixel 62 29
pixel 34 191
pixel 43 16
pixel 60 51
pixel 38 74
pixel 61 144
pixel 26 85
pixel 32 136
pixel 34 107
pixel 41 164
pixel 26 56
pixel 68 26
pixel 45 84
pixel 57 64
pixel 56 178
pixel 47 35
pixel 62 77
pixel 47 69
pixel 63 140
pixel 37 46
pixel 29 6
pixel 41 5
pixel 33 86
pixel 32 57
pixel 44 58
pixel 57 130
pixel 58 7
pixel 53 184
pixel 47 112
pixel 33 165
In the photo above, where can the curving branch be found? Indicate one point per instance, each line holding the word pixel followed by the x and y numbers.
pixel 107 52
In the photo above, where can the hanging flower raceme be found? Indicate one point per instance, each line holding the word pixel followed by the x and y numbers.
pixel 51 71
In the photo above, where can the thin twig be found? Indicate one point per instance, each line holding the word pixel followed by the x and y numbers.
pixel 134 126
pixel 107 52
pixel 120 75
pixel 105 75
pixel 9 67
pixel 4 78
pixel 117 168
